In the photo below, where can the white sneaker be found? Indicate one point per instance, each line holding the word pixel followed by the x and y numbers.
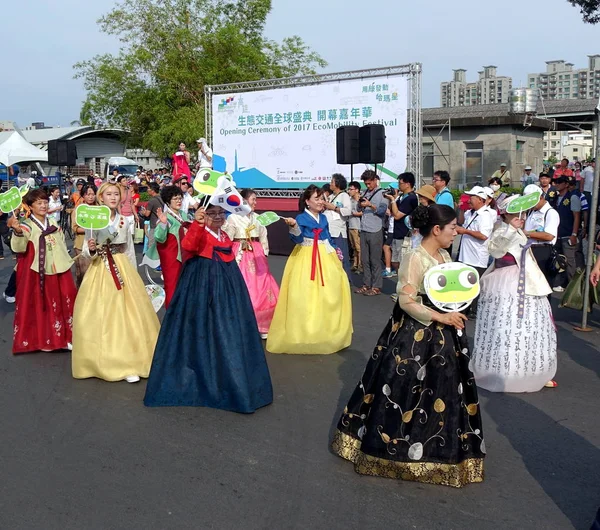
pixel 559 289
pixel 132 378
pixel 264 336
pixel 9 299
pixel 69 346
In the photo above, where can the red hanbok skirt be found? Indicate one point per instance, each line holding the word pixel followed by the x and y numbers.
pixel 170 265
pixel 42 322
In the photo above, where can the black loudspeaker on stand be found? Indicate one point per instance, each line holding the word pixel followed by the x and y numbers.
pixel 62 153
pixel 365 145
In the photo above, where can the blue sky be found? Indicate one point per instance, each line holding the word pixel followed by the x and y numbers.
pixel 518 36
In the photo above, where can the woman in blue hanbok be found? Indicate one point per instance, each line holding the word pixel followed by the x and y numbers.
pixel 314 310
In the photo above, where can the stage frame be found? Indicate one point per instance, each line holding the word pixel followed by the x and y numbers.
pixel 415 128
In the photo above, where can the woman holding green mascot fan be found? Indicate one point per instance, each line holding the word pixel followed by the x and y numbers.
pixel 114 324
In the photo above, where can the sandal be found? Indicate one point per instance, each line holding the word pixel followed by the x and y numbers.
pixel 362 290
pixel 373 292
pixel 551 384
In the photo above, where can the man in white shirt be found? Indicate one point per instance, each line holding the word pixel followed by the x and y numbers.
pixel 541 227
pixel 205 155
pixel 528 177
pixel 338 208
pixel 475 231
pixel 587 179
pixel 189 202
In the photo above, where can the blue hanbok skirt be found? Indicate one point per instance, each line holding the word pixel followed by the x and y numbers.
pixel 209 352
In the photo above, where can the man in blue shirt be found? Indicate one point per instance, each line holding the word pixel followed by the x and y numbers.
pixel 440 183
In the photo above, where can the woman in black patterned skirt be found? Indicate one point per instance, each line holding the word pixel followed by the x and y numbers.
pixel 415 413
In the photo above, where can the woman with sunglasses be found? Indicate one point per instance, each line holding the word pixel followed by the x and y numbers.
pixel 209 352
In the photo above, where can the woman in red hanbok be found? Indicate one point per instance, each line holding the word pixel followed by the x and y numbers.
pixel 45 287
pixel 181 162
pixel 169 232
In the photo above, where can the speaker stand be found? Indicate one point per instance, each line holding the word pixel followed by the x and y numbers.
pixel 351 172
pixel 375 168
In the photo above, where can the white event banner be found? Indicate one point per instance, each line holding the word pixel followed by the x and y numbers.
pixel 286 137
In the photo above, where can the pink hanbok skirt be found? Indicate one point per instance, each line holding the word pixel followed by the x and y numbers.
pixel 262 287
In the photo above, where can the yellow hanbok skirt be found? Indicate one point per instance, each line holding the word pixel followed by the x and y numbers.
pixel 114 331
pixel 311 317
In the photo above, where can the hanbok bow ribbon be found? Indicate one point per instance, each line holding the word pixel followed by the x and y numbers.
pixel 50 229
pixel 109 262
pixel 222 250
pixel 521 286
pixel 316 257
pixel 247 245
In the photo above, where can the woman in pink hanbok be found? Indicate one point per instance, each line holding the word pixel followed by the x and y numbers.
pixel 251 248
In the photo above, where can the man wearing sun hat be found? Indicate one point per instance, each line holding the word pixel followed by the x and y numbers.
pixel 205 155
pixel 503 174
pixel 475 230
pixel 528 177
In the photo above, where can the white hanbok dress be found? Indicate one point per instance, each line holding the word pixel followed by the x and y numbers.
pixel 515 337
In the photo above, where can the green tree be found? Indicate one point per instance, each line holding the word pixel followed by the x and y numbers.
pixel 171 49
pixel 590 10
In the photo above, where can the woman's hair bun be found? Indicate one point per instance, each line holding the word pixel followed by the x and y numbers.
pixel 420 217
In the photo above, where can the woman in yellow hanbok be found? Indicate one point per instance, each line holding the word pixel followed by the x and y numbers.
pixel 114 324
pixel 314 310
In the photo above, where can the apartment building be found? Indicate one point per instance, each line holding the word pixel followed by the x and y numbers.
pixel 489 88
pixel 574 145
pixel 562 81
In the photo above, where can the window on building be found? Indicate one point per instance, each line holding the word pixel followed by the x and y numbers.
pixel 575 149
pixel 473 163
pixel 520 152
pixel 428 161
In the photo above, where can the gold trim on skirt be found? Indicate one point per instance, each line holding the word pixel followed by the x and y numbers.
pixel 455 475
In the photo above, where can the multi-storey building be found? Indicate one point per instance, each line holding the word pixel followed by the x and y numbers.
pixel 561 81
pixel 489 88
pixel 575 145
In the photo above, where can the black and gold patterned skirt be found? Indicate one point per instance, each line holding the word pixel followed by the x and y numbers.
pixel 415 413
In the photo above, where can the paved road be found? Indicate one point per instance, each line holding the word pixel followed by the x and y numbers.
pixel 88 455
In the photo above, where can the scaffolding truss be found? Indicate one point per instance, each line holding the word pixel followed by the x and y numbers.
pixel 411 71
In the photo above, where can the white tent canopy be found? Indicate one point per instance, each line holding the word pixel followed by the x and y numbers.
pixel 16 149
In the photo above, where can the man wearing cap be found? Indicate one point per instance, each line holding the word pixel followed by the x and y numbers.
pixel 568 206
pixel 541 227
pixel 548 190
pixel 205 155
pixel 188 203
pixel 76 196
pixel 528 177
pixel 503 174
pixel 475 230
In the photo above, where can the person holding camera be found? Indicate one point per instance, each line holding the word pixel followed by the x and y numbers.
pixel 401 207
pixel 373 206
pixel 338 208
